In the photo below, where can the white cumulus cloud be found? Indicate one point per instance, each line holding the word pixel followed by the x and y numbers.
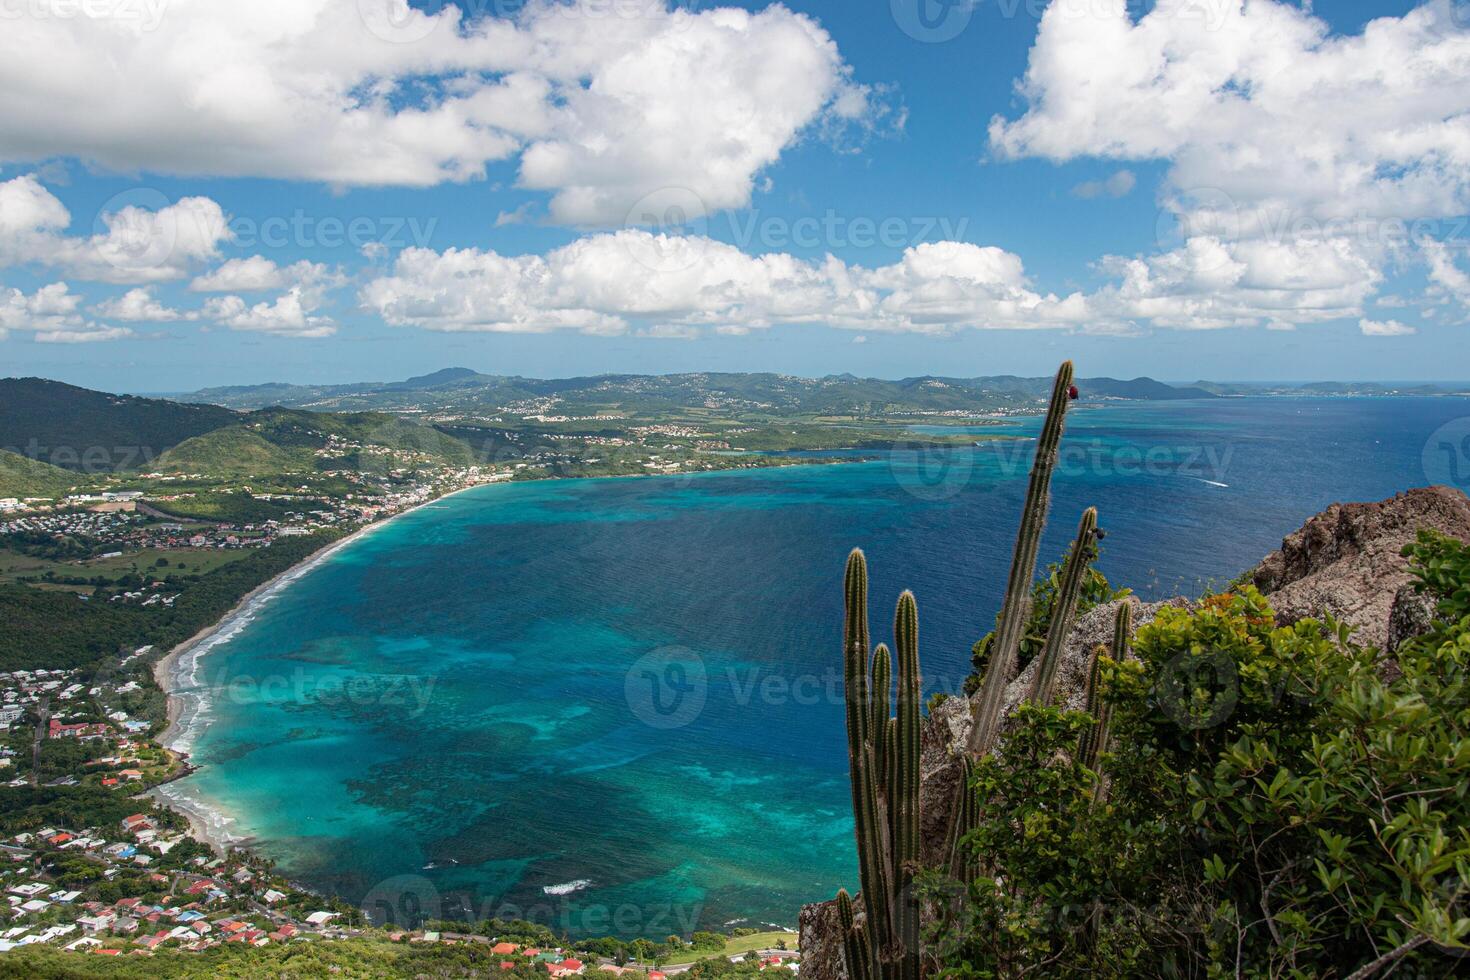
pixel 1118 184
pixel 1384 328
pixel 1445 274
pixel 600 103
pixel 292 314
pixel 49 315
pixel 1259 108
pixel 140 306
pixel 153 241
pixel 257 274
pixel 611 283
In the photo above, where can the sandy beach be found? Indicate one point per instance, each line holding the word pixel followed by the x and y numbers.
pixel 176 674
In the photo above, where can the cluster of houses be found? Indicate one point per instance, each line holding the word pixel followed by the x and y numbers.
pixel 130 529
pixel 78 712
pixel 209 901
pixel 105 526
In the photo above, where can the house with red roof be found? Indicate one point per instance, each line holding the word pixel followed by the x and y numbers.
pixel 504 949
pixel 136 822
pixel 565 968
pixel 83 730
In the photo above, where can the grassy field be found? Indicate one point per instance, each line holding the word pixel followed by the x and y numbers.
pixel 14 566
pixel 743 944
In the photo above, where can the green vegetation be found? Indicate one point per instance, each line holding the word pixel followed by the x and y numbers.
pixel 236 507
pixel 94 432
pixel 21 477
pixel 363 957
pixel 25 808
pixel 234 451
pixel 1276 807
pixel 775 395
pixel 83 576
pixel 733 946
pixel 306 430
pixel 59 629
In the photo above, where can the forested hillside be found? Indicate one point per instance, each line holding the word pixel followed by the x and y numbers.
pixel 92 431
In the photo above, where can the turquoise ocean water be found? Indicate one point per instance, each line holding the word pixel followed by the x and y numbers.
pixel 613 705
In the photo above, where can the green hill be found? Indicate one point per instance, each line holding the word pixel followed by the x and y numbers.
pixel 233 452
pixel 22 477
pixel 92 431
pixel 297 429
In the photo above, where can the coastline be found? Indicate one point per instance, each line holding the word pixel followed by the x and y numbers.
pixel 176 674
pixel 188 704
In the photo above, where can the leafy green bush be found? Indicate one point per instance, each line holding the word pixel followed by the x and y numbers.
pixel 1275 802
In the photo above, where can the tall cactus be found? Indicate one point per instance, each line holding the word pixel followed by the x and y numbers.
pixel 963 865
pixel 1015 610
pixel 905 789
pixel 1094 741
pixel 883 757
pixel 1064 608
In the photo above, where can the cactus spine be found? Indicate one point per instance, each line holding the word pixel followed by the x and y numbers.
pixel 1015 609
pixel 883 758
pixel 1064 608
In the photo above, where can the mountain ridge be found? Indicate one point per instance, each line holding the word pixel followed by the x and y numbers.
pixel 841 393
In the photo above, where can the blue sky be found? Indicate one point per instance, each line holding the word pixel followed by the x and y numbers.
pixel 863 210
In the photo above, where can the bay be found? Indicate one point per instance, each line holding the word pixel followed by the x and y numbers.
pixel 614 705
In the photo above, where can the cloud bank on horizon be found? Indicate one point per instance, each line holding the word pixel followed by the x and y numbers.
pixel 1303 171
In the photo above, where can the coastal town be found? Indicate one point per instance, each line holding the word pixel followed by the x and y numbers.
pixel 142 883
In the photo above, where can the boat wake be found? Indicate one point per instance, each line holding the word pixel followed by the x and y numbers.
pixel 568 887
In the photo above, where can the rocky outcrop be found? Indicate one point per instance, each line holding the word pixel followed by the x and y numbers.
pixel 1346 562
pixel 821 942
pixel 1412 615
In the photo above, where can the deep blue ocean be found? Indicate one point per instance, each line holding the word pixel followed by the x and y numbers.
pixel 614 705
